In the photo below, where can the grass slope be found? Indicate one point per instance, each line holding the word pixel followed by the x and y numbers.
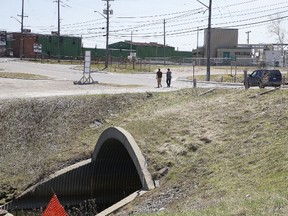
pixel 26 76
pixel 226 151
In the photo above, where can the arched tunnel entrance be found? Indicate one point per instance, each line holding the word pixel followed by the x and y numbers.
pixel 117 169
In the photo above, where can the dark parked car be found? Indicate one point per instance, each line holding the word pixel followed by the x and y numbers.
pixel 263 78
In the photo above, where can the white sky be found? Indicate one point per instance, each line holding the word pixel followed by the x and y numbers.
pixel 145 18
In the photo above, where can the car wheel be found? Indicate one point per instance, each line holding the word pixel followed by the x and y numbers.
pixel 261 85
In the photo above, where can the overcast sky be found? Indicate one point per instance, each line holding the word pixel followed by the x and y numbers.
pixel 144 19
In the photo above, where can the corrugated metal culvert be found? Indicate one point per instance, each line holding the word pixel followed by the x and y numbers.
pixel 117 169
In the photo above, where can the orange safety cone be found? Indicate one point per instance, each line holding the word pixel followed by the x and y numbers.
pixel 54 208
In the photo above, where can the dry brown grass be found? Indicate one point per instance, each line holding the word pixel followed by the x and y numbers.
pixel 226 152
pixel 26 76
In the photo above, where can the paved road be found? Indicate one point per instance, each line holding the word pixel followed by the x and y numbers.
pixel 61 78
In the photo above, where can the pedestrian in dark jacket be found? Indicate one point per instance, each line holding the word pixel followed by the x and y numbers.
pixel 168 77
pixel 159 77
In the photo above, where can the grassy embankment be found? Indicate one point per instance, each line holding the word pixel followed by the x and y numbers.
pixel 226 151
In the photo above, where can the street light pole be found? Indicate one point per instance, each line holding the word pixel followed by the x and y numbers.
pixel 107 31
pixel 131 53
pixel 208 38
pixel 131 44
pixel 107 35
pixel 21 41
pixel 108 11
pixel 22 30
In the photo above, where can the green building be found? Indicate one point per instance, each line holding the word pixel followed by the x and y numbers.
pixel 142 50
pixel 126 49
pixel 43 46
pixel 70 47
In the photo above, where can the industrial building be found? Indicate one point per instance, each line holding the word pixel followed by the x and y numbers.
pixel 3 38
pixel 224 49
pixel 43 46
pixel 144 50
pixel 137 50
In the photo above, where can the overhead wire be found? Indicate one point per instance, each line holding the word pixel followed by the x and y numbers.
pixel 161 21
pixel 185 30
pixel 176 22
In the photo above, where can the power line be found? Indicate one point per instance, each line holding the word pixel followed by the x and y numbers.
pixel 179 23
pixel 187 30
pixel 155 23
pixel 173 19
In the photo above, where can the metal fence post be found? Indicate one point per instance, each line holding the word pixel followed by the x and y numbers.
pixel 194 80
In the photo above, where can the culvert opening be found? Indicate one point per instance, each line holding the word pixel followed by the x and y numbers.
pixel 116 170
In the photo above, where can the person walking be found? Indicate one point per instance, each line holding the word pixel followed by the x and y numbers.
pixel 159 78
pixel 168 77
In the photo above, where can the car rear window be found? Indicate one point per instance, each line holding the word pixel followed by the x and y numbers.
pixel 275 73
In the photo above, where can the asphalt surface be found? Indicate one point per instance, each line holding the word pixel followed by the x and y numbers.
pixel 61 80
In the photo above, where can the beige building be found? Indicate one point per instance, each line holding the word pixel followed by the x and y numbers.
pixel 220 38
pixel 241 55
pixel 224 48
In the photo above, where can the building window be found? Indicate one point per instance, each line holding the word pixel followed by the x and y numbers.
pixel 242 53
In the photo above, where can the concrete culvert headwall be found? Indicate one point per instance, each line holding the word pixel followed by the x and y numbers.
pixel 119 141
pixel 116 170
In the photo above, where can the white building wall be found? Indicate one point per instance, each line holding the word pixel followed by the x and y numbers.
pixel 270 57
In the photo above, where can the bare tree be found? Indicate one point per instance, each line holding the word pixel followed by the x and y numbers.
pixel 276 28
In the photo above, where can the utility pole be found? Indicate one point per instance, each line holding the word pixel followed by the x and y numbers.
pixel 59 31
pixel 22 34
pixel 197 46
pixel 209 41
pixel 164 42
pixel 107 12
pixel 248 32
pixel 208 51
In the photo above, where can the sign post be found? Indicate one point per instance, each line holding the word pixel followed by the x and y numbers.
pixel 86 78
pixel 233 60
pixel 37 49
